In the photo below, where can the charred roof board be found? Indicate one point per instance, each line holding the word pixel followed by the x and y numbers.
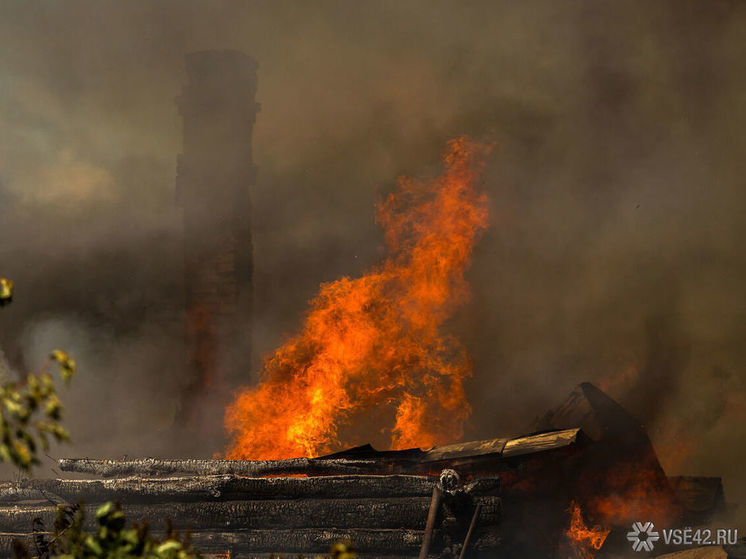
pixel 507 447
pixel 461 450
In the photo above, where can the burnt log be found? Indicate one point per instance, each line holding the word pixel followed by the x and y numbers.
pixel 366 541
pixel 16 492
pixel 374 513
pixel 156 467
pixel 226 488
pixel 250 544
pixel 472 459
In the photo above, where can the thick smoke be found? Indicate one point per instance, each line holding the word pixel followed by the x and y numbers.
pixel 617 191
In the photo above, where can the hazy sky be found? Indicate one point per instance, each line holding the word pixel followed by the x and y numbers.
pixel 616 190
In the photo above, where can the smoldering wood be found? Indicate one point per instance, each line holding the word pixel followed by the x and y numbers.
pixel 333 494
pixel 374 513
pixel 216 551
pixel 12 492
pixel 367 541
pixel 362 460
pixel 432 515
pixel 156 467
pixel 249 544
pixel 227 487
pixel 219 490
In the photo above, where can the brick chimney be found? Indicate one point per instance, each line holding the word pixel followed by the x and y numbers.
pixel 214 174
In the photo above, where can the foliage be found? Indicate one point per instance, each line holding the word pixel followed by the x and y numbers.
pixel 6 291
pixel 343 550
pixel 110 539
pixel 30 411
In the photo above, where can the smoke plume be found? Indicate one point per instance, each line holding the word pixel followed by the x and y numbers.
pixel 616 190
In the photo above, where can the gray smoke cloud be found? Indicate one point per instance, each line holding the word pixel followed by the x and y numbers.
pixel 616 190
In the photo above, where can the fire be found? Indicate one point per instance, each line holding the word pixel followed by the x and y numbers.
pixel 633 493
pixel 584 541
pixel 376 342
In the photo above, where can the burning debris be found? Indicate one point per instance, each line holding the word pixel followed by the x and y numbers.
pixel 537 496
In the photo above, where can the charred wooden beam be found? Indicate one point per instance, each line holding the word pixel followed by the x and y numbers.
pixel 379 544
pixel 374 513
pixel 225 488
pixel 473 457
pixel 156 467
pixel 367 541
pixel 15 492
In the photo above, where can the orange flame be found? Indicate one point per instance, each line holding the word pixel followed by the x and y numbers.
pixel 584 541
pixel 631 493
pixel 375 342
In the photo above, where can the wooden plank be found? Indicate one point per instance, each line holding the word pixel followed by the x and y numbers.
pixel 379 513
pixel 540 442
pixel 366 541
pixel 250 544
pixel 219 488
pixel 472 449
pixel 155 467
pixel 362 460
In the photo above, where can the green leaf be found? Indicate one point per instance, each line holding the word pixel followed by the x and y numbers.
pixel 23 454
pixel 67 364
pixel 6 291
pixel 60 433
pixel 105 510
pixel 93 545
pixel 168 546
pixel 53 407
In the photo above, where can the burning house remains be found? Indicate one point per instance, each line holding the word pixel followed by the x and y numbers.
pixel 562 492
pixel 375 345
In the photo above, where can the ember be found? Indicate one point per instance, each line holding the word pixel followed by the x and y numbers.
pixel 376 342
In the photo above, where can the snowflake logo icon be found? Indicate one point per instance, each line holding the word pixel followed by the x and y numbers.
pixel 642 536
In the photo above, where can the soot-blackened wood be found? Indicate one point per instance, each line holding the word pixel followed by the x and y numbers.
pixel 249 544
pixel 409 512
pixel 366 541
pixel 432 515
pixel 156 467
pixel 220 488
pixel 14 492
pixel 472 458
